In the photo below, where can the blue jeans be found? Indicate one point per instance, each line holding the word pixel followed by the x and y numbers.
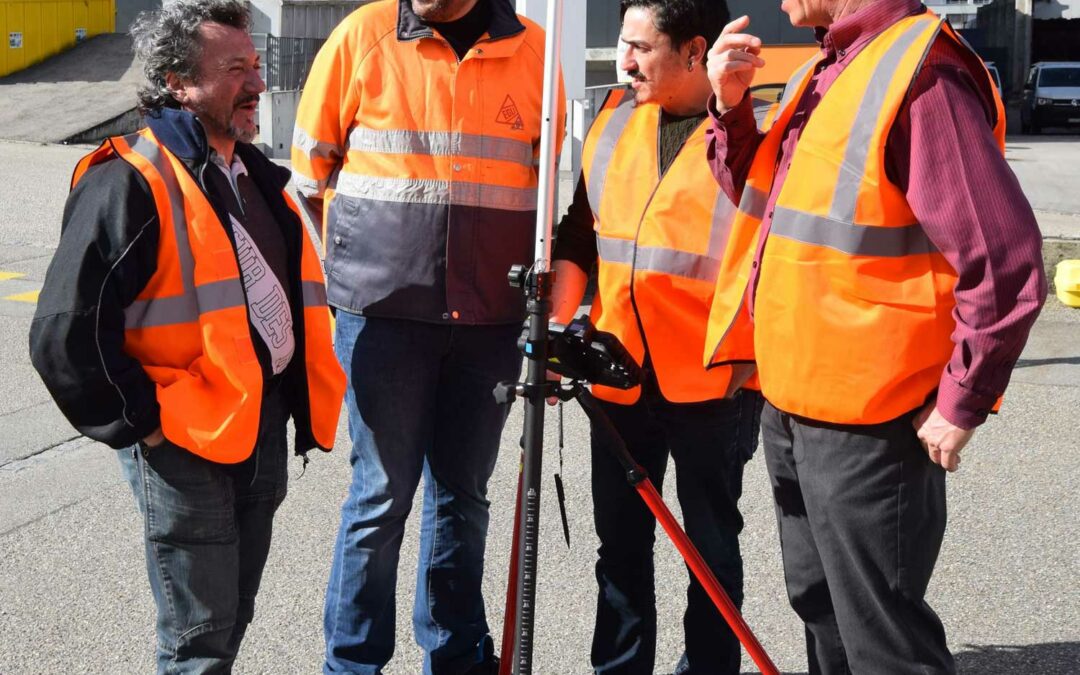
pixel 207 535
pixel 420 402
pixel 709 442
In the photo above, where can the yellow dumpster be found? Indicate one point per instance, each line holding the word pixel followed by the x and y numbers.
pixel 1067 282
pixel 33 30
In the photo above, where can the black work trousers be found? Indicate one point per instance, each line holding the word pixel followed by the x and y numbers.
pixel 861 514
pixel 709 442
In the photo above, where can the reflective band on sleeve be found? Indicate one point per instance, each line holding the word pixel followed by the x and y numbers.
pixel 308 187
pixel 654 259
pixel 882 242
pixel 440 192
pixel 605 149
pixel 440 143
pixel 314 293
pixel 178 309
pixel 314 148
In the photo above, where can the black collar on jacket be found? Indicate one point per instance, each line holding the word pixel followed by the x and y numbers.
pixel 504 22
pixel 182 133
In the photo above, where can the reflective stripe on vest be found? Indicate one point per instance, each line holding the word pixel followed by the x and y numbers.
pixel 853 303
pixel 660 238
pixel 627 252
pixel 189 328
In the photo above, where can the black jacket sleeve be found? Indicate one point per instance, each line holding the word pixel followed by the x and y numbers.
pixel 106 256
pixel 576 240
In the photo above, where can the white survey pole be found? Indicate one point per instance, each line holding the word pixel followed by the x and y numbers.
pixel 550 131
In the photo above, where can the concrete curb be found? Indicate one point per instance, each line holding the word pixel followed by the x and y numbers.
pixel 1056 249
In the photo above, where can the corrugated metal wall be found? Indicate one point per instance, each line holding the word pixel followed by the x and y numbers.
pixel 32 30
pixel 314 19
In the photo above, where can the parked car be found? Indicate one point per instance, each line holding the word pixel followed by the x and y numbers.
pixel 1051 96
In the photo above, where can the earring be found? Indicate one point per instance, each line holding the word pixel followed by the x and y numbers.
pixel 690 65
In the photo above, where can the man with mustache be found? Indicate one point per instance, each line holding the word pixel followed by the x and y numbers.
pixel 654 223
pixel 416 145
pixel 893 269
pixel 183 321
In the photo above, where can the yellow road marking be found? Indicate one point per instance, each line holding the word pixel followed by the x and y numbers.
pixel 4 276
pixel 32 296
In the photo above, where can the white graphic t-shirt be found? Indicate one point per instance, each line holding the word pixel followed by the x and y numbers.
pixel 268 305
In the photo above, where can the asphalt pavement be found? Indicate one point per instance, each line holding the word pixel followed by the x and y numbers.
pixel 74 596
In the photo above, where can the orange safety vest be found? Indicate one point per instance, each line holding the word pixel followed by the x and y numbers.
pixel 400 132
pixel 660 240
pixel 853 306
pixel 189 326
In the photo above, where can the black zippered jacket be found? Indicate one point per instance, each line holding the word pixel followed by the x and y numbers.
pixel 106 256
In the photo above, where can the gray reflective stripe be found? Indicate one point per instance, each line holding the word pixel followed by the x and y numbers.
pixel 441 143
pixel 605 148
pixel 723 216
pixel 308 187
pixel 753 202
pixel 186 308
pixel 838 230
pixel 882 242
pixel 654 259
pixel 417 191
pixel 314 293
pixel 193 301
pixel 853 168
pixel 312 147
pixel 152 153
pixel 793 86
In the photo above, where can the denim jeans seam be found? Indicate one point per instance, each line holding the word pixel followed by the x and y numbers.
pixel 166 584
pixel 431 561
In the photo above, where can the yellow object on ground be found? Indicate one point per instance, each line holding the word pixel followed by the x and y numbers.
pixel 33 30
pixel 1067 282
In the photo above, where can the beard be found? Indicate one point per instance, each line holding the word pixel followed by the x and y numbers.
pixel 438 11
pixel 220 122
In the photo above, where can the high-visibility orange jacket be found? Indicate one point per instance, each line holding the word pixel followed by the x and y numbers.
pixel 660 240
pixel 189 326
pixel 853 306
pixel 426 164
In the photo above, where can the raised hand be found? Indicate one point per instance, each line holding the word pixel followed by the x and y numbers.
pixel 732 62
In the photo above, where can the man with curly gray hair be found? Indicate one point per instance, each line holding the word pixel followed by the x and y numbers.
pixel 183 321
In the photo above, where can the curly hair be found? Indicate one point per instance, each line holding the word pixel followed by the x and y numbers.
pixel 167 41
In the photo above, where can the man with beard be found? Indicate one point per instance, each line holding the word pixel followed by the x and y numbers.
pixel 183 320
pixel 416 144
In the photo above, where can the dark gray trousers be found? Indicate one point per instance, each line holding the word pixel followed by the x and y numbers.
pixel 861 514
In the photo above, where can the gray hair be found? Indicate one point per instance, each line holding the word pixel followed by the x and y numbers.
pixel 167 41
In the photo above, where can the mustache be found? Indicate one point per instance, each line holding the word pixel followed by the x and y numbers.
pixel 636 75
pixel 244 100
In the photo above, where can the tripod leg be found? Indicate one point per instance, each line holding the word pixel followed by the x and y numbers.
pixel 637 477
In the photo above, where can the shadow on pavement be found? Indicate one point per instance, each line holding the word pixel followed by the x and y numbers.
pixel 1063 360
pixel 1049 658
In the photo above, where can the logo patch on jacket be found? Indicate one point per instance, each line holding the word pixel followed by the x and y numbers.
pixel 509 114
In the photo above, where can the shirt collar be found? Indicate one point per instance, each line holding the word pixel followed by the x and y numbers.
pixel 233 171
pixel 852 32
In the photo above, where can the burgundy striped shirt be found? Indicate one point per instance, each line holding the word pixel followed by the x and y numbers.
pixel 942 154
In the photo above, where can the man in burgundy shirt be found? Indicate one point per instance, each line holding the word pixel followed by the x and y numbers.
pixel 851 574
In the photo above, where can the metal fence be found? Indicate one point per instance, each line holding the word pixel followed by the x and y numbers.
pixel 288 61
